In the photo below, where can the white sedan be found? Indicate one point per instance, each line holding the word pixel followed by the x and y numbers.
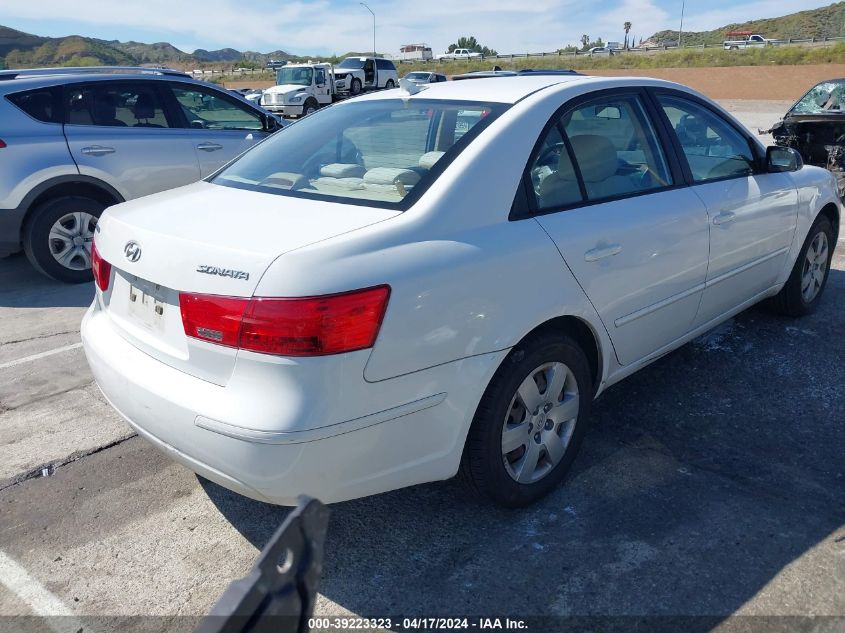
pixel 427 281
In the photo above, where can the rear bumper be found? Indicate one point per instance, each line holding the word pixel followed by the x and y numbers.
pixel 397 445
pixel 11 223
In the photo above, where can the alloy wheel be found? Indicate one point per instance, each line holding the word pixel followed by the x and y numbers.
pixel 815 267
pixel 539 423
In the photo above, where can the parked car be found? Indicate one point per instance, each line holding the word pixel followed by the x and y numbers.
pixel 815 127
pixel 601 50
pixel 406 286
pixel 459 53
pixel 75 141
pixel 422 77
pixel 254 96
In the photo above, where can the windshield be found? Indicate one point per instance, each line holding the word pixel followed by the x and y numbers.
pixel 828 96
pixel 298 76
pixel 382 153
pixel 351 62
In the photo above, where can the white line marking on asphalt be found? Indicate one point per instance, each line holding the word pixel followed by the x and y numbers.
pixel 49 352
pixel 17 580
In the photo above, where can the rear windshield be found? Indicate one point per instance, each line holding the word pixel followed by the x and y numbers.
pixel 380 153
pixel 828 96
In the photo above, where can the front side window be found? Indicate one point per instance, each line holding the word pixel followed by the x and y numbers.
pixel 209 110
pixel 713 148
pixel 615 148
pixel 294 76
pixel 116 104
pixel 384 152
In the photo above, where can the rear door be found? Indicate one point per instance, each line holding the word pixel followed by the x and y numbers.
pixel 752 213
pixel 220 125
pixel 122 133
pixel 604 188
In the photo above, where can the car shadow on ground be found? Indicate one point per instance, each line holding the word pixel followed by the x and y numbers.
pixel 702 479
pixel 21 286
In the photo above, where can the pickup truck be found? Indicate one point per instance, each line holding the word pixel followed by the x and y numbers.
pixel 460 53
pixel 747 40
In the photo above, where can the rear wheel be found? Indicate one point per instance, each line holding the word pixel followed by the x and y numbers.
pixel 530 422
pixel 803 290
pixel 58 236
pixel 389 85
pixel 355 87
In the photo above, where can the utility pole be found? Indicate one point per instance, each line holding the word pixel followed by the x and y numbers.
pixel 680 30
pixel 367 7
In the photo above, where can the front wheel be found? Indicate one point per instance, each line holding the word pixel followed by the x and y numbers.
pixel 530 422
pixel 310 107
pixel 355 87
pixel 58 236
pixel 803 290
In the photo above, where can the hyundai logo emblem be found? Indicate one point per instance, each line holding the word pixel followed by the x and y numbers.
pixel 132 250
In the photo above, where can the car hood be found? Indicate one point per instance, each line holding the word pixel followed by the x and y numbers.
pixel 285 89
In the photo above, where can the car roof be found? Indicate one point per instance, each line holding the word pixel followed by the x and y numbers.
pixel 511 89
pixel 54 77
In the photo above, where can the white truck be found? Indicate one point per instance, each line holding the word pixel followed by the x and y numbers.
pixel 745 39
pixel 303 88
pixel 459 53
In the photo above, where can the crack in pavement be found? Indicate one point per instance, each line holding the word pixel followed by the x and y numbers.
pixel 40 336
pixel 4 407
pixel 51 467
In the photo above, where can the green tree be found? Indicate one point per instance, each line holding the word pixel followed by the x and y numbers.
pixel 472 44
pixel 626 27
pixel 585 42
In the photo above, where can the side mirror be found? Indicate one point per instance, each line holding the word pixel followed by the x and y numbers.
pixel 271 123
pixel 780 159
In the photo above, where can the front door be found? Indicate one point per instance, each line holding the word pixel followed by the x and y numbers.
pixel 222 127
pixel 637 243
pixel 121 133
pixel 752 214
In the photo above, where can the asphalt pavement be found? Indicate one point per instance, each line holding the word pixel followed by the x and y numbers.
pixel 711 484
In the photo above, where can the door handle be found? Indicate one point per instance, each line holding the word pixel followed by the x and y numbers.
pixel 209 147
pixel 725 217
pixel 595 254
pixel 97 150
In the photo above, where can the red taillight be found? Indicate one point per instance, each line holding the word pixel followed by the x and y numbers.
pixel 212 318
pixel 101 269
pixel 2 143
pixel 306 326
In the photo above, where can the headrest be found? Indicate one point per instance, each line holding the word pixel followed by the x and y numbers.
pixel 342 170
pixel 145 107
pixel 104 107
pixel 596 157
pixel 391 175
pixel 428 159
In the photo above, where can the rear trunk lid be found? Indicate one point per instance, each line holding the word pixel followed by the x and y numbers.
pixel 206 239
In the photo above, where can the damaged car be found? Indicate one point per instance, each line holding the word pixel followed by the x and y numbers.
pixel 815 126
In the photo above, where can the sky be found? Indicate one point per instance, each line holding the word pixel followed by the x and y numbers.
pixel 325 27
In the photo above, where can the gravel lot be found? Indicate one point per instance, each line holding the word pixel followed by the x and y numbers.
pixel 711 484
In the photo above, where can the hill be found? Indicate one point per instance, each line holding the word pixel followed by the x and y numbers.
pixel 22 50
pixel 826 21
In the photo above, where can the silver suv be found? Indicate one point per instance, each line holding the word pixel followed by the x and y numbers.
pixel 74 141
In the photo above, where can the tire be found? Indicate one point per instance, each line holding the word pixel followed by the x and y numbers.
pixel 49 237
pixel 486 468
pixel 310 107
pixel 355 87
pixel 796 298
pixel 390 85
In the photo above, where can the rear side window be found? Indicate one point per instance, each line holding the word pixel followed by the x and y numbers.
pixel 42 104
pixel 615 148
pixel 115 104
pixel 385 64
pixel 713 148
